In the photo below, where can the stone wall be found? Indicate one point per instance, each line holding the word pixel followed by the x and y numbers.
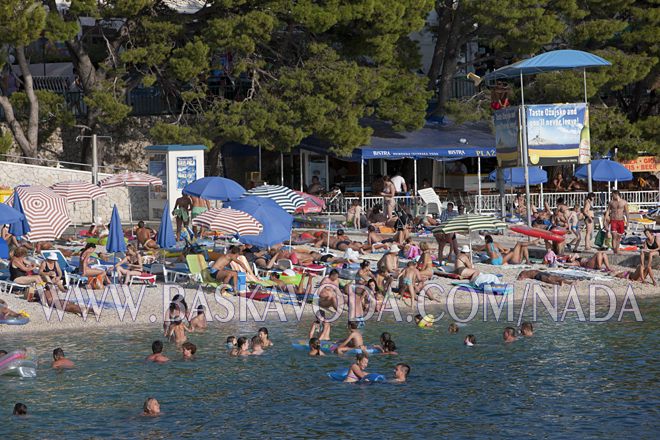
pixel 13 174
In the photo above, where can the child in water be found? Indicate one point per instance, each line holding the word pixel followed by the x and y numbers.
pixel 188 349
pixel 424 321
pixel 357 371
pixel 199 321
pixel 470 340
pixel 453 328
pixel 353 340
pixel 257 346
pixel 59 361
pixel 401 372
pixel 151 407
pixel 387 345
pixel 231 342
pixel 177 332
pixel 241 348
pixel 265 339
pixel 509 334
pixel 320 326
pixel 527 329
pixel 315 347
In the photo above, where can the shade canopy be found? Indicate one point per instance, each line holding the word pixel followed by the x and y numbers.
pixel 45 211
pixel 9 215
pixel 229 221
pixel 214 188
pixel 516 176
pixel 605 170
pixel 130 179
pixel 115 241
pixel 78 191
pixel 312 204
pixel 566 59
pixel 469 223
pixel 277 222
pixel 165 238
pixel 22 226
pixel 283 196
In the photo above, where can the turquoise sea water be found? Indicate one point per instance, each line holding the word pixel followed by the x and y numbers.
pixel 570 380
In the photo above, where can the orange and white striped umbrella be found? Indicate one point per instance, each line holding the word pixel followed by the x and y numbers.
pixel 229 221
pixel 78 191
pixel 130 179
pixel 45 211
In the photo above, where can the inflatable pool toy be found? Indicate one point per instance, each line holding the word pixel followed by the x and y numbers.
pixel 537 233
pixel 341 374
pixel 330 347
pixel 20 363
pixel 559 231
pixel 19 320
pixel 494 289
pixel 426 322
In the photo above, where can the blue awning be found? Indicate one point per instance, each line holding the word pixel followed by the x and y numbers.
pixel 549 62
pixel 434 141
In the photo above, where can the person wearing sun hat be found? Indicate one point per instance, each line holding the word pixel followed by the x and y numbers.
pixel 50 271
pixel 463 266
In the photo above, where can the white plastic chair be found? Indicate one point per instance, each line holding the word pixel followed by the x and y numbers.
pixel 431 201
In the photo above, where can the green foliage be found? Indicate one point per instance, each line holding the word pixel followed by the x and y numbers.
pixel 163 133
pixel 6 141
pixel 108 105
pixel 21 21
pixel 190 61
pixel 53 112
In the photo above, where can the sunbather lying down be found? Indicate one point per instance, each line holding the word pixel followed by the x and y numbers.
pixel 543 277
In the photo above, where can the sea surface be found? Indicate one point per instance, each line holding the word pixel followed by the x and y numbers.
pixel 570 380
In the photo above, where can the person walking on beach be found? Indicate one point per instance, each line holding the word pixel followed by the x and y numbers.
pixel 588 213
pixel 617 212
pixel 388 193
pixel 181 213
pixel 199 207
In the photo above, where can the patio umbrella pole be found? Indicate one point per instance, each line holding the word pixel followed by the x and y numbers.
pixel 525 152
pixel 584 81
pixel 478 184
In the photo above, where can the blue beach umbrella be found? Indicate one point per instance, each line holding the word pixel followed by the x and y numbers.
pixel 9 215
pixel 214 188
pixel 165 238
pixel 21 227
pixel 516 176
pixel 604 170
pixel 115 241
pixel 275 220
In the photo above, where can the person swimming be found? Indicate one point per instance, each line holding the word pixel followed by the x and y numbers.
pixel 177 332
pixel 453 328
pixel 199 321
pixel 424 321
pixel 509 334
pixel 354 340
pixel 20 409
pixel 527 329
pixel 59 361
pixel 401 372
pixel 188 349
pixel 231 342
pixel 241 348
pixel 315 347
pixel 470 340
pixel 151 407
pixel 320 326
pixel 157 353
pixel 357 371
pixel 265 339
pixel 257 346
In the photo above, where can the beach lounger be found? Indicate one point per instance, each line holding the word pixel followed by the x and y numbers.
pixel 70 277
pixel 170 275
pixel 200 272
pixel 431 201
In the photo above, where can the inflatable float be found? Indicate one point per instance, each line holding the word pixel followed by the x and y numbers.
pixel 19 320
pixel 20 363
pixel 341 374
pixel 537 233
pixel 329 347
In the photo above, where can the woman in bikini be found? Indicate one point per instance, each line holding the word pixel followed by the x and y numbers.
pixel 357 371
pixel 86 262
pixel 425 264
pixel 463 266
pixel 650 249
pixel 130 265
pixel 499 255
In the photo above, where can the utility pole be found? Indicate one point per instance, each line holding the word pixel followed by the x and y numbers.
pixel 95 166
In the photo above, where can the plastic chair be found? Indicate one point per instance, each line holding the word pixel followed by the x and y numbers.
pixel 431 201
pixel 200 272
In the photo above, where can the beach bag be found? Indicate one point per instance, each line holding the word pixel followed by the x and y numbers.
pixel 599 241
pixel 96 283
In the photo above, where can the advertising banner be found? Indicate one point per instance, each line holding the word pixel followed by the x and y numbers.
pixel 507 137
pixel 643 164
pixel 558 134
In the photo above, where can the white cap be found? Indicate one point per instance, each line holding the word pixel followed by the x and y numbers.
pixel 289 273
pixel 51 257
pixel 351 255
pixel 394 249
pixel 465 248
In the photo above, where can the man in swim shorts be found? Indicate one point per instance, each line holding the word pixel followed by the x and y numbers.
pixel 617 212
pixel 199 207
pixel 144 235
pixel 181 213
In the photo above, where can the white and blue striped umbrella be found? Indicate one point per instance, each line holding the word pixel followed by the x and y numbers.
pixel 283 196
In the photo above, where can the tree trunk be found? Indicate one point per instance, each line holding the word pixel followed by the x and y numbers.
pixel 214 157
pixel 443 31
pixel 27 140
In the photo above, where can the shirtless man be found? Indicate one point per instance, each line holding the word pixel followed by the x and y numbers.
pixel 144 235
pixel 561 213
pixel 157 355
pixel 59 361
pixel 199 207
pixel 388 193
pixel 375 241
pixel 329 291
pixel 543 277
pixel 222 271
pixel 354 340
pixel 181 212
pixel 198 323
pixel 341 242
pixel 588 213
pixel 617 212
pixel 390 261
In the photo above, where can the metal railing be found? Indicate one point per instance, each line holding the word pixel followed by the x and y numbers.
pixel 490 203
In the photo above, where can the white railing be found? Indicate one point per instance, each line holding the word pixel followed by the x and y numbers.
pixel 490 203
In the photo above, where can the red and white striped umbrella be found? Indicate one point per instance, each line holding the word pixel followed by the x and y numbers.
pixel 230 221
pixel 130 179
pixel 78 191
pixel 45 211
